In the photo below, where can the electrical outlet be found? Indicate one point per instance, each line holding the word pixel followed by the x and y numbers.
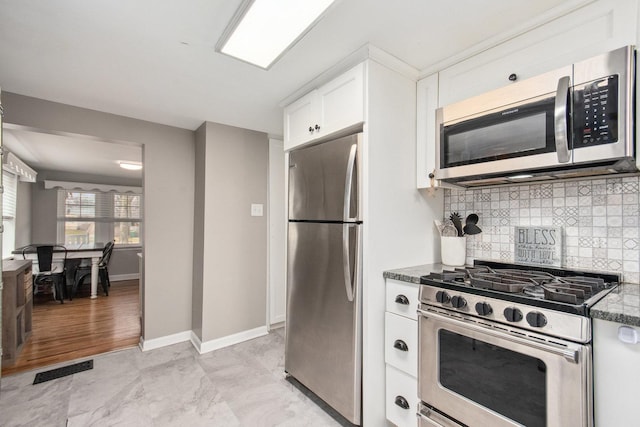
pixel 256 209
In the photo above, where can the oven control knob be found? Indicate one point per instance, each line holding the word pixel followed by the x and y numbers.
pixel 458 302
pixel 483 309
pixel 512 314
pixel 442 297
pixel 536 319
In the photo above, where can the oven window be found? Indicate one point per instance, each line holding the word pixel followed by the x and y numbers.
pixel 509 383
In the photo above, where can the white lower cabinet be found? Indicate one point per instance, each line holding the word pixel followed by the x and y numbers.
pixel 401 343
pixel 401 353
pixel 616 375
pixel 402 397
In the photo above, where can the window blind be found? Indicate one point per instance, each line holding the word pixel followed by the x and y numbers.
pixel 10 185
pixel 99 207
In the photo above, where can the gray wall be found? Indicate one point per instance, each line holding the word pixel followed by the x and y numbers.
pixel 234 255
pixel 198 231
pixel 44 205
pixel 168 181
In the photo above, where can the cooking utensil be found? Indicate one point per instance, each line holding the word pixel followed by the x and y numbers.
pixel 471 228
pixel 449 231
pixel 456 219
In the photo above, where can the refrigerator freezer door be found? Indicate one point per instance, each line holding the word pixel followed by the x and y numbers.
pixel 318 176
pixel 323 328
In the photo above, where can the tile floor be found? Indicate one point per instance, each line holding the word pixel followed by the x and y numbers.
pixel 241 385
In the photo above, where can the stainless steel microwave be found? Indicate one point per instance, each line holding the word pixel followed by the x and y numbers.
pixel 574 121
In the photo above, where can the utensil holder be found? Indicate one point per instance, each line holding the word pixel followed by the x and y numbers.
pixel 453 250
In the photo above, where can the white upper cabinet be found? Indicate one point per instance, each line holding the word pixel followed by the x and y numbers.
pixel 589 31
pixel 332 107
pixel 300 119
pixel 427 103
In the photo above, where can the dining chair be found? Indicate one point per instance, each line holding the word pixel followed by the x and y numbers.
pixel 84 271
pixel 51 269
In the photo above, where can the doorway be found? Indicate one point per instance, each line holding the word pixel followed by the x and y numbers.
pixel 82 327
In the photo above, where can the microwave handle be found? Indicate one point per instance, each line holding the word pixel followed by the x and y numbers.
pixel 561 120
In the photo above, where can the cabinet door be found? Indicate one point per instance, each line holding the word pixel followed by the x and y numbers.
pixel 300 119
pixel 341 101
pixel 402 298
pixel 591 30
pixel 401 343
pixel 402 400
pixel 427 103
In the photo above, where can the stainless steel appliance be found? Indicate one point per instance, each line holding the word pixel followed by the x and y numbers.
pixel 571 122
pixel 323 344
pixel 507 345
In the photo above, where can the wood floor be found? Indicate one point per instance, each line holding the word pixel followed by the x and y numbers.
pixel 81 328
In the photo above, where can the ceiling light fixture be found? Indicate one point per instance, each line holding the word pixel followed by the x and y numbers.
pixel 132 166
pixel 262 30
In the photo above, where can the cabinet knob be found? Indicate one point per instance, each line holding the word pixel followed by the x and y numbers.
pixel 310 129
pixel 402 402
pixel 513 77
pixel 317 127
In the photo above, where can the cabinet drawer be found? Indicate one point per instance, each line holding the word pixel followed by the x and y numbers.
pixel 401 343
pixel 28 282
pixel 402 298
pixel 401 390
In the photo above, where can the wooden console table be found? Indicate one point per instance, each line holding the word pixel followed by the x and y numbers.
pixel 17 307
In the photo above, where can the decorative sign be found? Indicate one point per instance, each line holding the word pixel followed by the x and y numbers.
pixel 538 245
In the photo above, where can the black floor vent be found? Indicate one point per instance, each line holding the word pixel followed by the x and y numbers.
pixel 63 372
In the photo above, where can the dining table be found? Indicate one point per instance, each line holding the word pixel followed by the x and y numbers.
pixel 92 251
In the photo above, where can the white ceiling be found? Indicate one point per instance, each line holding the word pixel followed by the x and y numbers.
pixel 46 151
pixel 155 59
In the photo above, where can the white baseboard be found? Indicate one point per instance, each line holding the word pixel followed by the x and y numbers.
pixel 206 347
pixel 121 277
pixel 152 344
pixel 277 325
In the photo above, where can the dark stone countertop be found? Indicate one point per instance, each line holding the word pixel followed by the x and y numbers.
pixel 412 274
pixel 622 305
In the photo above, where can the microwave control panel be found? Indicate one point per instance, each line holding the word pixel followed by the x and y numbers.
pixel 595 112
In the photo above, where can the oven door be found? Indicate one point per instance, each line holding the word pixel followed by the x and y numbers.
pixel 486 375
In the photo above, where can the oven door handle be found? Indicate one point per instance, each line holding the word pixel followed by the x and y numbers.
pixel 571 355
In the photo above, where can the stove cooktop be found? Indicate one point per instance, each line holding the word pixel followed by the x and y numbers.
pixel 570 291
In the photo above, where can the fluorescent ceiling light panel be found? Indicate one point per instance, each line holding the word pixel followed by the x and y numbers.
pixel 263 29
pixel 132 166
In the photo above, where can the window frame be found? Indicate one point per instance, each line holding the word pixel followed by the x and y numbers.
pixel 104 218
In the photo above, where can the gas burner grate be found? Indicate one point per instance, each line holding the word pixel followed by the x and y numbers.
pixel 449 276
pixel 573 290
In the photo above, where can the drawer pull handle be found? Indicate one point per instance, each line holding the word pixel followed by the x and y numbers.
pixel 400 345
pixel 402 402
pixel 401 299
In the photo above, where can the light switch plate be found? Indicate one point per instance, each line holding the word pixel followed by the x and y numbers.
pixel 256 209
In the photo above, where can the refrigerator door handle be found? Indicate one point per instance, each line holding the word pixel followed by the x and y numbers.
pixel 346 264
pixel 351 162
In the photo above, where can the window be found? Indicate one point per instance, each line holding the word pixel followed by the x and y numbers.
pixel 10 184
pixel 126 226
pixel 92 216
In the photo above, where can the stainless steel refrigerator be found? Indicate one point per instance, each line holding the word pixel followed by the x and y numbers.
pixel 323 344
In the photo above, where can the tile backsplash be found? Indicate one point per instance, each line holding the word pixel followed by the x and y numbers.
pixel 598 218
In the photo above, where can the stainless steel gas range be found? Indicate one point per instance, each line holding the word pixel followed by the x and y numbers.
pixel 507 345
